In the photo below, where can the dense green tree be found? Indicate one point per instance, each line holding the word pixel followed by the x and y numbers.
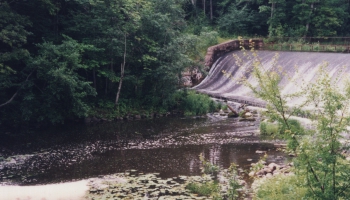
pixel 241 18
pixel 13 37
pixel 57 92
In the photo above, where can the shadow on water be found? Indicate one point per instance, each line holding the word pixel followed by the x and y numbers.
pixel 170 146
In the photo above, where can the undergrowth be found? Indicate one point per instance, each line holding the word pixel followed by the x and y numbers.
pixel 210 188
pixel 279 187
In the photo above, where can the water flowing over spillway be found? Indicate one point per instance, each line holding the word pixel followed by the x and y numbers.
pixel 299 69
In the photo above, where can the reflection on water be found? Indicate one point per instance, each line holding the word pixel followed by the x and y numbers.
pixel 81 152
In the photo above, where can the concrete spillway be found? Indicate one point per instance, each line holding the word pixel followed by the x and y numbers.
pixel 299 69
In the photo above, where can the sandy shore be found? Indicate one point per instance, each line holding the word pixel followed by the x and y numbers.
pixel 61 191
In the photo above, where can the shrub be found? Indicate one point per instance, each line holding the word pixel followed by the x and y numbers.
pixel 233 182
pixel 267 128
pixel 194 104
pixel 208 167
pixel 207 189
pixel 279 187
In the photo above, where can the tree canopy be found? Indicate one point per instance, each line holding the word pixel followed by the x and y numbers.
pixel 60 58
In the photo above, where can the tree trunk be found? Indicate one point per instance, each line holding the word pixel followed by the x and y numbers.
pixel 308 23
pixel 106 85
pixel 122 67
pixel 211 10
pixel 271 17
pixel 94 77
pixel 112 71
pixel 204 6
pixel 232 110
pixel 272 8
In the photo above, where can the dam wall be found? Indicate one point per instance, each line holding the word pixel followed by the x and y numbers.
pixel 299 70
pixel 215 52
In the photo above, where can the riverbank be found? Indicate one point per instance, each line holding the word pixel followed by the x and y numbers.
pixel 61 191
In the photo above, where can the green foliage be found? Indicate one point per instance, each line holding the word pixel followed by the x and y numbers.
pixel 195 104
pixel 239 19
pixel 207 166
pixel 280 130
pixel 279 187
pixel 206 39
pixel 64 92
pixel 267 128
pixel 233 182
pixel 259 165
pixel 207 189
pixel 224 107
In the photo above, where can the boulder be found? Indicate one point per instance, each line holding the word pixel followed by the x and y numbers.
pixel 268 170
pixel 273 166
pixel 251 174
pixel 260 172
pixel 248 114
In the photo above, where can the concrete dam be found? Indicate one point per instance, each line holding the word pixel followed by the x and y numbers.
pixel 299 70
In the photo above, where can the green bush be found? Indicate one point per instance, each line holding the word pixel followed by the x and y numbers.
pixel 207 189
pixel 192 103
pixel 279 187
pixel 267 128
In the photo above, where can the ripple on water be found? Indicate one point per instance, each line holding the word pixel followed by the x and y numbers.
pixel 170 146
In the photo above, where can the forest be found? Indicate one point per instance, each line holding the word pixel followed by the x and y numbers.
pixel 69 59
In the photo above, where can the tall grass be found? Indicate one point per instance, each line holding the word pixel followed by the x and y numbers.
pixel 192 103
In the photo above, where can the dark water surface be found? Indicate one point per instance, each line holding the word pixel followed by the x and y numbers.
pixel 169 146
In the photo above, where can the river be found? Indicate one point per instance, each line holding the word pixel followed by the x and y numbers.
pixel 167 145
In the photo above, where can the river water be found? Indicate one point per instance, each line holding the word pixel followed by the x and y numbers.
pixel 168 145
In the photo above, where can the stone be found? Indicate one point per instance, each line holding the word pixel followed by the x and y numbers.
pixel 260 172
pixel 268 170
pixel 273 166
pixel 248 114
pixel 252 173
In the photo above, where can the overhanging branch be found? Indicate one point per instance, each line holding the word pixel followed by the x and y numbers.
pixel 14 95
